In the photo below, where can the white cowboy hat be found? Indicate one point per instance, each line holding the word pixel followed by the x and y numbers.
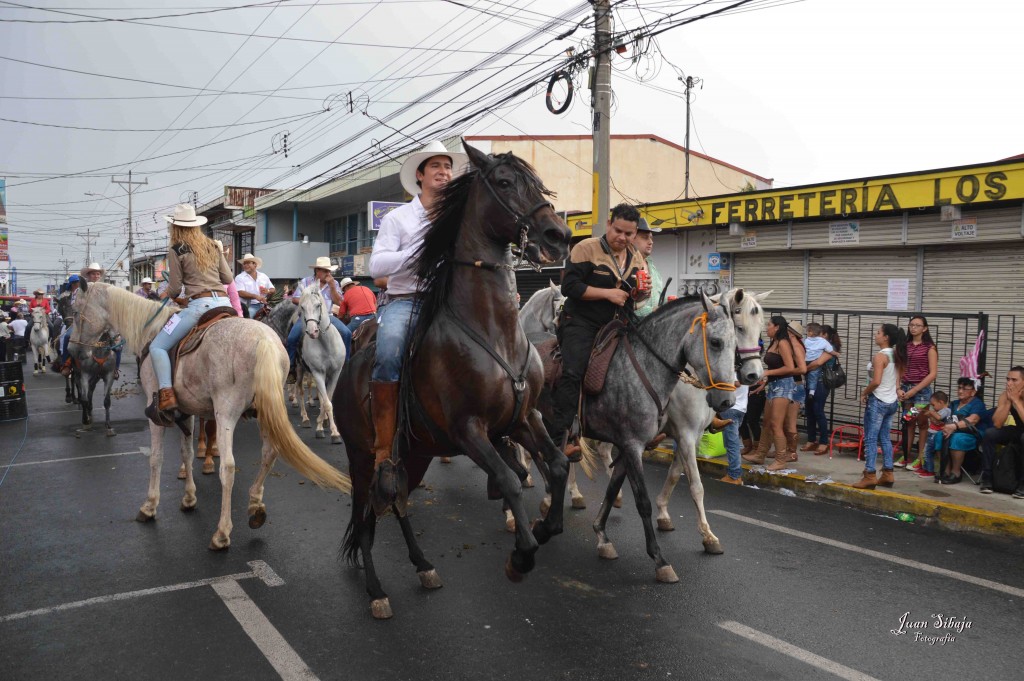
pixel 146 280
pixel 91 267
pixel 185 216
pixel 250 256
pixel 345 282
pixel 413 161
pixel 323 263
pixel 21 301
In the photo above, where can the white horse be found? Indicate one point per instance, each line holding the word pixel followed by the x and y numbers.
pixel 323 355
pixel 540 313
pixel 240 366
pixel 39 339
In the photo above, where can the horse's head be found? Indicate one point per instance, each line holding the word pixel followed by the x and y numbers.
pixel 312 311
pixel 39 317
pixel 557 300
pixel 711 350
pixel 91 313
pixel 747 315
pixel 520 212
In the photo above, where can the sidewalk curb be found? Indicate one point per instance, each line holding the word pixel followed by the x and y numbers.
pixel 945 515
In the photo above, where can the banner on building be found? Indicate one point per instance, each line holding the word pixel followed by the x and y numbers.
pixel 3 201
pixel 244 199
pixel 844 233
pixel 3 245
pixel 378 209
pixel 714 262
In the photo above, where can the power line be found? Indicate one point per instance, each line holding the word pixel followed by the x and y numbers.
pixel 202 127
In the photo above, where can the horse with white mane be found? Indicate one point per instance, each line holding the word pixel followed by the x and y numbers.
pixel 540 313
pixel 240 365
pixel 323 355
pixel 39 339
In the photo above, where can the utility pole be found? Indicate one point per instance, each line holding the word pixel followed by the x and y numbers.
pixel 690 82
pixel 130 188
pixel 67 264
pixel 601 98
pixel 89 239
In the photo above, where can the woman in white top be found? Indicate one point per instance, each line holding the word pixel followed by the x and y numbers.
pixel 881 403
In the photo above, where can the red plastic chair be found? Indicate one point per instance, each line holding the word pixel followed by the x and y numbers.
pixel 849 437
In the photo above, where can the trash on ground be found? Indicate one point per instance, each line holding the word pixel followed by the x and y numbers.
pixel 786 492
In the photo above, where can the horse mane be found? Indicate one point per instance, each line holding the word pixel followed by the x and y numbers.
pixel 137 319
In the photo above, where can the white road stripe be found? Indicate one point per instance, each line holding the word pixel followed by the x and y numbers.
pixel 978 581
pixel 793 651
pixel 265 635
pixel 73 458
pixel 260 570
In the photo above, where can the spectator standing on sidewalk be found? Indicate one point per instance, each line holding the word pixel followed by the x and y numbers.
pixel 880 404
pixel 1008 428
pixel 5 333
pixel 778 379
pixel 796 339
pixel 731 436
pixel 916 389
pixel 817 347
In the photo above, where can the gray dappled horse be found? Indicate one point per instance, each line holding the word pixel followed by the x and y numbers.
pixel 94 362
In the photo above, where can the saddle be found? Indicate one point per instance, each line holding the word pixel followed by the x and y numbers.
pixel 605 343
pixel 191 342
pixel 364 334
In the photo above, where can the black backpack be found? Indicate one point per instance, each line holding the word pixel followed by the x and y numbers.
pixel 832 374
pixel 1006 468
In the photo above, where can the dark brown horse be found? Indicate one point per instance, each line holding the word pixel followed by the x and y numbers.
pixel 472 378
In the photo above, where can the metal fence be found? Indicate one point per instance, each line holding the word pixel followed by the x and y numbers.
pixel 954 336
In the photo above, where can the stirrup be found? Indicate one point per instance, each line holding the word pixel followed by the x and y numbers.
pixel 161 418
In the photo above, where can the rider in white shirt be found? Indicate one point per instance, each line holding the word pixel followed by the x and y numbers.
pixel 253 285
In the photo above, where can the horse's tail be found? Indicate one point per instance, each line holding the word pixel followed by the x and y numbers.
pixel 273 418
pixel 591 460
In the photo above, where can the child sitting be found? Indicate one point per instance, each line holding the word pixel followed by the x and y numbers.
pixel 938 416
pixel 814 346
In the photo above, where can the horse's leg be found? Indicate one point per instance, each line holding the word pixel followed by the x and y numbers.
pixel 689 462
pixel 300 376
pixel 87 404
pixel 257 509
pixel 210 430
pixel 108 384
pixel 156 458
pixel 222 537
pixel 188 501
pixel 332 383
pixel 606 454
pixel 555 468
pixel 605 549
pixel 361 529
pixel 684 446
pixel 325 406
pixel 634 471
pixel 201 446
pixel 416 468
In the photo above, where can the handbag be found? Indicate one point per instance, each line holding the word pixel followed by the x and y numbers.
pixel 833 375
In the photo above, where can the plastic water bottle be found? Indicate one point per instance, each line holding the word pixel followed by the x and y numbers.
pixel 906 517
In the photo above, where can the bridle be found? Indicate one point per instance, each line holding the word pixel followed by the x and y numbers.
pixel 319 315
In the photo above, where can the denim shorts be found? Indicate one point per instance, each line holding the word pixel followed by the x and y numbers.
pixel 922 397
pixel 780 387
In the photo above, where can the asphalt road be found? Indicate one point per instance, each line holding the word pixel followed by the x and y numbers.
pixel 798 593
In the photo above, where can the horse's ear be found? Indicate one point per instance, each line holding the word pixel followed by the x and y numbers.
pixel 761 296
pixel 706 302
pixel 551 285
pixel 717 298
pixel 479 159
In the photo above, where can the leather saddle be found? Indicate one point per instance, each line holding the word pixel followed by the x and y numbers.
pixel 605 343
pixel 364 334
pixel 191 342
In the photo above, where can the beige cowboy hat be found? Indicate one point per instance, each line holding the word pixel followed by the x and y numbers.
pixel 323 263
pixel 39 292
pixel 21 301
pixel 249 256
pixel 345 282
pixel 797 328
pixel 414 160
pixel 185 216
pixel 92 267
pixel 146 280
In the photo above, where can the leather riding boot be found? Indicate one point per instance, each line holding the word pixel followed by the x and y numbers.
pixel 167 400
pixel 658 439
pixel 885 478
pixel 782 456
pixel 757 457
pixel 868 481
pixel 718 424
pixel 65 369
pixel 384 409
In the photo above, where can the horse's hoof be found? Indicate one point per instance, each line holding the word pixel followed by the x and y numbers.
pixel 335 439
pixel 618 502
pixel 545 506
pixel 257 519
pixel 607 551
pixel 319 435
pixel 381 609
pixel 185 508
pixel 35 372
pixel 181 473
pixel 510 524
pixel 209 468
pixel 306 424
pixel 430 579
pixel 665 525
pixel 144 518
pixel 513 575
pixel 215 452
pixel 713 547
pixel 219 544
pixel 111 432
pixel 579 503
pixel 528 482
pixel 666 575
pixel 67 399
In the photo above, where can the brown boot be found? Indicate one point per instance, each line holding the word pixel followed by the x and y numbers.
pixel 782 455
pixel 792 440
pixel 757 458
pixel 885 479
pixel 167 400
pixel 717 424
pixel 658 439
pixel 384 409
pixel 867 482
pixel 748 446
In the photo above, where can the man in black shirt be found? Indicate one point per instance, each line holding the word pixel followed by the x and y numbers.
pixel 1010 405
pixel 599 283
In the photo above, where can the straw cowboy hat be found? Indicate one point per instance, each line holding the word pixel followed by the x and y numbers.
pixel 413 161
pixel 323 263
pixel 39 292
pixel 146 280
pixel 797 328
pixel 250 256
pixel 92 267
pixel 21 301
pixel 185 216
pixel 345 282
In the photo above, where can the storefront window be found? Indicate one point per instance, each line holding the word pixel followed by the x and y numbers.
pixel 349 234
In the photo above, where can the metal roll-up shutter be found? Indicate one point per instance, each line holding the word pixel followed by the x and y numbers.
pixel 529 282
pixel 782 272
pixel 844 279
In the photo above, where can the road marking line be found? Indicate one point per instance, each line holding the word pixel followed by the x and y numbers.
pixel 265 635
pixel 260 570
pixel 73 458
pixel 978 581
pixel 806 656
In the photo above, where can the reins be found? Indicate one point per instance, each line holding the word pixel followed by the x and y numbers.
pixel 703 319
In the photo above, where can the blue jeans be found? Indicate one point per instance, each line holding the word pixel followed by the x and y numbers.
pixel 731 438
pixel 877 422
pixel 396 324
pixel 64 346
pixel 780 387
pixel 934 443
pixel 354 322
pixel 817 421
pixel 187 320
pixel 812 380
pixel 296 333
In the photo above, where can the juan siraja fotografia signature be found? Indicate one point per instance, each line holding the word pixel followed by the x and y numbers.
pixel 937 629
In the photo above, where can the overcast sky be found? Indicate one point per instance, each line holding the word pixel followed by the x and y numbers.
pixel 799 91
